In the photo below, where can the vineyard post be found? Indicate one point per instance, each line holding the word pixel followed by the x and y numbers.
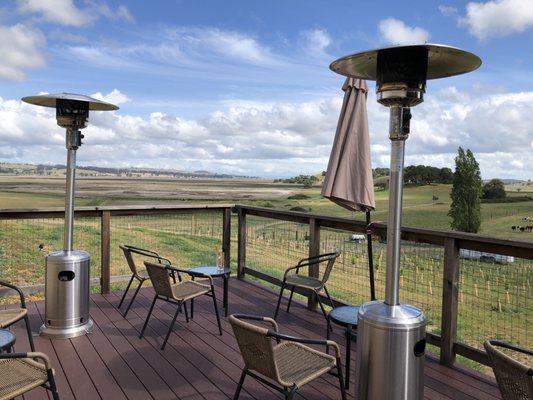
pixel 450 298
pixel 241 243
pixel 314 250
pixel 226 236
pixel 105 248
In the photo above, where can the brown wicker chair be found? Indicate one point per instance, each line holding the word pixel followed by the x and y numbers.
pixel 177 293
pixel 284 360
pixel 316 285
pixel 515 379
pixel 22 372
pixel 12 316
pixel 129 252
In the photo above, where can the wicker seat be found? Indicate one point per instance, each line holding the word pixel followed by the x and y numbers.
pixel 129 253
pixel 282 362
pixel 177 293
pixel 21 372
pixel 10 317
pixel 515 379
pixel 316 285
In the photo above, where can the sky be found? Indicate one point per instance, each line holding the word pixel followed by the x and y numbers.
pixel 244 87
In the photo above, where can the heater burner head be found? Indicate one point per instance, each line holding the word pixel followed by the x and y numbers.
pixel 401 72
pixel 72 110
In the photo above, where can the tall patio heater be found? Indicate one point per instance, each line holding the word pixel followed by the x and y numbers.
pixel 391 336
pixel 68 271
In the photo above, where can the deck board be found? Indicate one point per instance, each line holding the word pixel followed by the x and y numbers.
pixel 113 363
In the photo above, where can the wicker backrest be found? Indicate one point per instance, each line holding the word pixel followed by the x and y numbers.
pixel 129 259
pixel 515 379
pixel 330 259
pixel 160 279
pixel 256 347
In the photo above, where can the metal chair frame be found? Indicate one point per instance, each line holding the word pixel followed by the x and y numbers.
pixel 22 305
pixel 307 262
pixel 51 386
pixel 128 250
pixel 288 392
pixel 179 303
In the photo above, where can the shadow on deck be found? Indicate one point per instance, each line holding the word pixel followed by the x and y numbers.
pixel 113 363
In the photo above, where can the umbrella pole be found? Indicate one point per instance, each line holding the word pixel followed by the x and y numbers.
pixel 370 258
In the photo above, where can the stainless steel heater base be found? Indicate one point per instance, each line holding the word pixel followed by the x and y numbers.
pixel 67 333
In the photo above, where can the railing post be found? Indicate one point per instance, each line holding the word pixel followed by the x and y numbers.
pixel 450 301
pixel 314 250
pixel 226 236
pixel 105 270
pixel 241 243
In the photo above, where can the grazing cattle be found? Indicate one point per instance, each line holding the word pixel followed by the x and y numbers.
pixel 522 229
pixel 513 228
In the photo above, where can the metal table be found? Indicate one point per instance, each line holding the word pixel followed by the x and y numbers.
pixel 7 340
pixel 214 272
pixel 345 316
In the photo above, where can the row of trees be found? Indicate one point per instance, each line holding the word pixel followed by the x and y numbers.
pixel 306 180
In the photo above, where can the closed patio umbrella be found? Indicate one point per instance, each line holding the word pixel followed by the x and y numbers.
pixel 348 181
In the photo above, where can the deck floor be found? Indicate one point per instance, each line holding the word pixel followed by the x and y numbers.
pixel 113 363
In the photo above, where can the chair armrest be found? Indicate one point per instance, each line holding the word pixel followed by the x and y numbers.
pixel 33 355
pixel 147 253
pixel 509 346
pixel 327 343
pixel 296 267
pixel 269 320
pixel 15 288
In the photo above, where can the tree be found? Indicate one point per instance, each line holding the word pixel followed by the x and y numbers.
pixel 465 209
pixel 493 189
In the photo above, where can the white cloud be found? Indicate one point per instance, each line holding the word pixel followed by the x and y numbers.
pixel 498 18
pixel 447 11
pixel 316 41
pixel 115 97
pixel 281 138
pixel 21 49
pixel 65 12
pixel 394 31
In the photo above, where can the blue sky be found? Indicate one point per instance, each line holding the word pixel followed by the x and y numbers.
pixel 244 86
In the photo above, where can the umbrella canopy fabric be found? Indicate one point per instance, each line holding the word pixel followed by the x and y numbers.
pixel 348 181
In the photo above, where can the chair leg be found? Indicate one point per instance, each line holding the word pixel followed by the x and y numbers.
pixel 192 308
pixel 126 291
pixel 52 382
pixel 133 298
pixel 239 386
pixel 186 313
pixel 216 310
pixel 328 296
pixel 28 329
pixel 341 379
pixel 148 317
pixel 322 307
pixel 290 299
pixel 291 393
pixel 171 325
pixel 279 299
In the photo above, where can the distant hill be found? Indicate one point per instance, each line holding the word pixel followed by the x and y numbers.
pixel 59 169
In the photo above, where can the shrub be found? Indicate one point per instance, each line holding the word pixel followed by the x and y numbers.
pixel 298 196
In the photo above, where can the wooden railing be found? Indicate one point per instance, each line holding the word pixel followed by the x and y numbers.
pixel 451 242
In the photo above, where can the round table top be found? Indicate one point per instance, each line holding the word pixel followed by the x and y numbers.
pixel 211 270
pixel 344 315
pixel 7 339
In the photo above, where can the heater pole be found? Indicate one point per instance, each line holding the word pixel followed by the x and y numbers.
pixel 72 144
pixel 397 134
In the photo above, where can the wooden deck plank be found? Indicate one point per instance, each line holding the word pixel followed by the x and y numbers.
pixel 197 363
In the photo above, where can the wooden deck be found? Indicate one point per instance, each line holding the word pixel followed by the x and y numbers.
pixel 113 363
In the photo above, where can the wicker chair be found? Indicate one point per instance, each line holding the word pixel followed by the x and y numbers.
pixel 129 252
pixel 11 316
pixel 177 293
pixel 515 379
pixel 284 360
pixel 22 372
pixel 316 285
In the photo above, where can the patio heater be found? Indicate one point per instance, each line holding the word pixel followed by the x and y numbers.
pixel 391 336
pixel 68 271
